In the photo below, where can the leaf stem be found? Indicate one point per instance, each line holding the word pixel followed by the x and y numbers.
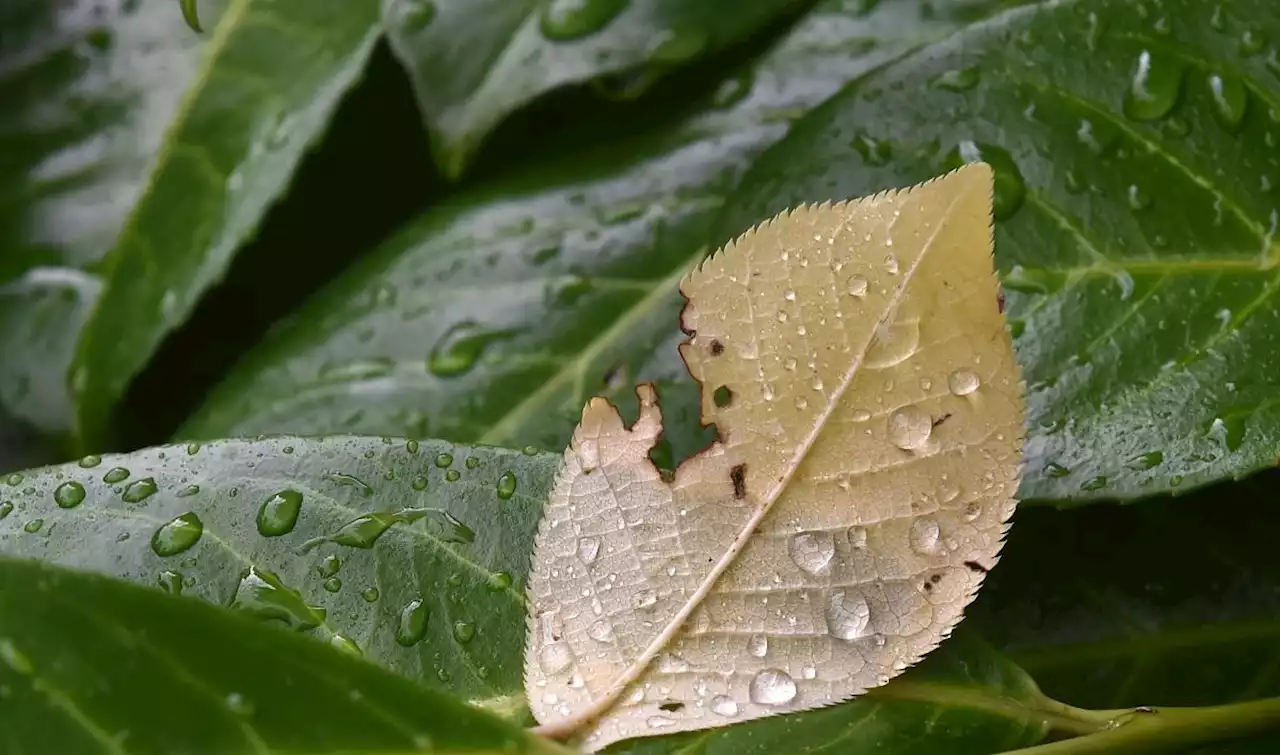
pixel 1149 730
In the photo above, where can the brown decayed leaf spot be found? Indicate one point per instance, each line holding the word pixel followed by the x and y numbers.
pixel 858 492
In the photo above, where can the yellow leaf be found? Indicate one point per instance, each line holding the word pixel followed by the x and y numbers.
pixel 855 362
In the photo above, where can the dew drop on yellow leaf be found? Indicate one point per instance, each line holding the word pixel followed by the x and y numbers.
pixel 870 414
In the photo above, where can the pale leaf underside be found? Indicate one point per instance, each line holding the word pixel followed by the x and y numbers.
pixel 870 420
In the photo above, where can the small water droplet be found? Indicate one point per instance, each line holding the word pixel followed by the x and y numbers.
pixel 412 626
pixel 1154 88
pixel 177 535
pixel 962 382
pixel 91 461
pixel 464 631
pixel 588 549
pixel 68 495
pixel 113 475
pixel 419 483
pixel 1230 100
pixel 723 705
pixel 6 508
pixel 415 15
pixel 848 615
pixel 909 427
pixel 758 645
pixel 1138 199
pixel 772 687
pixel 659 722
pixel 332 584
pixel 972 510
pixel 507 485
pixel 555 657
pixel 188 491
pixel 958 79
pixel 644 599
pixel 893 344
pixel 858 286
pixel 924 536
pixel 444 461
pixel 1149 460
pixel 670 663
pixel 1055 470
pixel 812 551
pixel 345 644
pixel 858 536
pixel 1094 483
pixel 890 261
pixel 564 20
pixel 370 594
pixel 33 526
pixel 329 566
pixel 260 593
pixel 601 630
pixel 499 581
pixel 460 348
pixel 279 514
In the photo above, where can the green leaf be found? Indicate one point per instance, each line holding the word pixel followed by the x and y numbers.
pixel 423 569
pixel 473 62
pixel 496 316
pixel 1173 605
pixel 89 664
pixel 460 572
pixel 1134 150
pixel 138 157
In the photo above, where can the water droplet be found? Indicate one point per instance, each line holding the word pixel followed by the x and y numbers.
pixel 812 551
pixel 329 566
pixel 848 615
pixel 890 260
pixel 1056 470
pixel 874 151
pixel 370 594
pixel 601 630
pixel 91 461
pixel 924 536
pixel 461 346
pixel 1138 199
pixel 6 508
pixel 1149 460
pixel 444 461
pixel 260 593
pixel 671 46
pixel 659 722
pixel 412 626
pixel 962 382
pixel 33 526
pixel 464 631
pixel 958 80
pixel 670 663
pixel 758 645
pixel 345 644
pixel 1010 187
pixel 858 536
pixel 644 599
pixel 350 481
pixel 506 485
pixel 858 286
pixel 188 491
pixel 499 581
pixel 555 657
pixel 412 446
pixel 68 495
pixel 236 703
pixel 894 343
pixel 909 427
pixel 419 483
pixel 1154 88
pixel 588 549
pixel 563 20
pixel 1094 483
pixel 472 462
pixel 332 584
pixel 452 475
pixel 416 15
pixel 113 475
pixel 178 535
pixel 279 514
pixel 139 491
pixel 972 510
pixel 723 705
pixel 772 687
pixel 1230 100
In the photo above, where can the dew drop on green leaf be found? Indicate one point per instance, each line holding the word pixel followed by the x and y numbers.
pixel 139 491
pixel 958 79
pixel 189 491
pixel 261 594
pixel 370 594
pixel 444 460
pixel 193 449
pixel 564 20
pixel 278 515
pixel 329 566
pixel 90 461
pixel 332 584
pixel 1230 100
pixel 350 481
pixel 6 508
pixel 68 495
pixel 1149 460
pixel 177 535
pixel 460 348
pixel 14 480
pixel 33 526
pixel 413 623
pixel 416 15
pixel 345 644
pixel 1094 483
pixel 458 532
pixel 1154 87
pixel 411 446
pixel 1055 470
pixel 115 474
pixel 499 581
pixel 507 485
pixel 464 631
pixel 733 90
pixel 171 582
pixel 473 462
pixel 419 483
pixel 452 475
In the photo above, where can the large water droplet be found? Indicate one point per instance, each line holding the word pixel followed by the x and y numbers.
pixel 412 626
pixel 1149 460
pixel 33 526
pixel 415 15
pixel 555 657
pixel 114 475
pixel 563 20
pixel 893 344
pixel 90 461
pixel 464 631
pixel 68 495
pixel 601 630
pixel 1155 86
pixel 177 535
pixel 772 687
pixel 848 615
pixel 507 485
pixel 6 508
pixel 260 593
pixel 588 549
pixel 1230 100
pixel 279 514
pixel 909 427
pixel 723 705
pixel 139 491
pixel 962 382
pixel 460 348
pixel 812 551
pixel 924 536
pixel 857 285
pixel 958 80
pixel 758 645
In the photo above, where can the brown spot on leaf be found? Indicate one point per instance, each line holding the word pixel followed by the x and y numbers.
pixel 975 566
pixel 739 477
pixel 723 396
pixel 671 707
pixel 717 348
pixel 942 419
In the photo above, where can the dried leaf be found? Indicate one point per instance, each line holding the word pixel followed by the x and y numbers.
pixel 870 420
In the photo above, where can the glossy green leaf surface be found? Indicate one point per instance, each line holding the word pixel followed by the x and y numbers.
pixel 1135 150
pixel 473 62
pixel 89 664
pixel 414 554
pixel 496 317
pixel 138 157
pixel 1169 605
